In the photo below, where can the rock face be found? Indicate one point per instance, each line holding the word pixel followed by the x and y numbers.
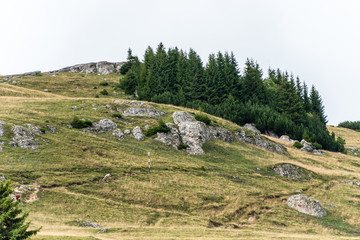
pixel 138 134
pixel 102 68
pixel 220 133
pixel 291 171
pixel 308 147
pixel 306 205
pixel 182 117
pixel 2 131
pixel 142 112
pixel 255 138
pixel 193 134
pixel 252 128
pixel 171 138
pixel 24 138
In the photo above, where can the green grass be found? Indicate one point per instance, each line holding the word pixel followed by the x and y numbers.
pixel 231 184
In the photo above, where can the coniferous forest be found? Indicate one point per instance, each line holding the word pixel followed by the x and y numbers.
pixel 278 103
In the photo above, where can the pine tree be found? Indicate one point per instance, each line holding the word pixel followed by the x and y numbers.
pixel 12 225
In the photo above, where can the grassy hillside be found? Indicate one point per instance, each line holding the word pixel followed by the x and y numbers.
pixel 227 193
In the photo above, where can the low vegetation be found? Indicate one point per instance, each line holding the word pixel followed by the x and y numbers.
pixel 161 127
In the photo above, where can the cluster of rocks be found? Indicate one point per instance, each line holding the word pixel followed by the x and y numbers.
pixel 291 171
pixel 307 205
pixel 194 134
pixel 307 147
pixel 133 102
pixel 141 112
pixel 24 137
pixel 107 125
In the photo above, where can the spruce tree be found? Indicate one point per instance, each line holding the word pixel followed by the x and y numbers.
pixel 306 99
pixel 253 86
pixel 317 105
pixel 12 223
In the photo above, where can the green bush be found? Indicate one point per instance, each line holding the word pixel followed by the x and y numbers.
pixel 104 92
pixel 182 146
pixel 38 74
pixel 42 130
pixel 97 96
pixel 203 118
pixel 94 87
pixel 117 115
pixel 77 123
pixel 160 128
pixel 104 84
pixel 298 145
pixel 317 145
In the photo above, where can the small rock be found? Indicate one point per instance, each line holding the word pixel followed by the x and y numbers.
pixel 118 133
pixel 104 230
pixel 70 126
pixel 106 177
pixel 142 112
pixel 147 127
pixel 287 139
pixel 75 108
pixel 51 129
pixel 127 131
pixel 138 134
pixel 2 131
pixel 46 90
pixel 291 171
pixel 88 224
pixel 2 178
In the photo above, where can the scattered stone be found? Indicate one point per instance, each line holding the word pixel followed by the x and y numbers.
pixel 142 112
pixel 252 128
pixel 213 224
pixel 287 139
pixel 104 125
pixel 88 224
pixel 127 131
pixel 35 129
pixel 2 143
pixel 118 133
pixel 75 108
pixel 104 230
pixel 306 205
pixel 357 183
pixel 138 134
pixel 70 126
pixel 171 138
pixel 2 178
pixel 2 131
pixel 46 90
pixel 51 129
pixel 291 171
pixel 147 127
pixel 330 205
pixel 106 177
pixel 13 144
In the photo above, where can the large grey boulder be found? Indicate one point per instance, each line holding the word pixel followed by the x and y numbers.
pixel 104 125
pixel 24 138
pixel 291 171
pixel 138 134
pixel 252 128
pixel 171 138
pixel 308 147
pixel 306 205
pixel 142 112
pixel 287 139
pixel 2 131
pixel 182 117
pixel 105 68
pixel 193 134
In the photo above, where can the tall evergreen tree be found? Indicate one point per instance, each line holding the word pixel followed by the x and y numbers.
pixel 306 99
pixel 317 105
pixel 196 78
pixel 253 86
pixel 12 223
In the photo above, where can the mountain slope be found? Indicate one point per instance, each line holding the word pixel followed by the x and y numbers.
pixel 229 192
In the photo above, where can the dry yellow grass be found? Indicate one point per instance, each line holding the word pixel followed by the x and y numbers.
pixel 351 137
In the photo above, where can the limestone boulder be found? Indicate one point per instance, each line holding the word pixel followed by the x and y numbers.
pixel 2 131
pixel 182 116
pixel 118 133
pixel 138 134
pixel 171 138
pixel 252 128
pixel 220 133
pixel 291 171
pixel 306 205
pixel 193 134
pixel 24 138
pixel 142 112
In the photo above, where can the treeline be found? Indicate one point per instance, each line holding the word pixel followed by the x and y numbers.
pixel 350 125
pixel 279 103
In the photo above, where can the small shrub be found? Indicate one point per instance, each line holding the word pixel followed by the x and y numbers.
pixel 77 123
pixel 42 130
pixel 182 146
pixel 203 168
pixel 97 96
pixel 104 84
pixel 104 92
pixel 117 115
pixel 317 145
pixel 94 87
pixel 160 128
pixel 298 145
pixel 38 74
pixel 203 118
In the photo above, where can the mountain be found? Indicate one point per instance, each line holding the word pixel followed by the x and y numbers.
pixel 95 182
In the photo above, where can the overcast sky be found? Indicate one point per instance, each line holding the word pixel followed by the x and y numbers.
pixel 317 40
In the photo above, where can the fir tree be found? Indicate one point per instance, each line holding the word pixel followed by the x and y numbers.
pixel 253 86
pixel 12 223
pixel 317 105
pixel 306 99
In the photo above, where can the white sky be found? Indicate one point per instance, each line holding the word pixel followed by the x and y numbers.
pixel 317 40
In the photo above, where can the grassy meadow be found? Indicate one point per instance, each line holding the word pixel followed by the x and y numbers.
pixel 227 193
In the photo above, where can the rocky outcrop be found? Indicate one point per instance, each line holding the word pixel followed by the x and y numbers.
pixel 179 117
pixel 308 147
pixel 291 171
pixel 88 224
pixel 133 102
pixel 171 138
pixel 306 205
pixel 102 68
pixel 287 139
pixel 142 112
pixel 51 129
pixel 104 125
pixel 194 135
pixel 254 137
pixel 138 134
pixel 252 128
pixel 24 138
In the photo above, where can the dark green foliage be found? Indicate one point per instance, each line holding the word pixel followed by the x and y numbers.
pixel 117 115
pixel 43 130
pixel 78 123
pixel 104 92
pixel 351 125
pixel 12 223
pixel 159 128
pixel 127 66
pixel 182 146
pixel 317 145
pixel 203 118
pixel 279 103
pixel 38 74
pixel 94 87
pixel 96 95
pixel 104 83
pixel 298 145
